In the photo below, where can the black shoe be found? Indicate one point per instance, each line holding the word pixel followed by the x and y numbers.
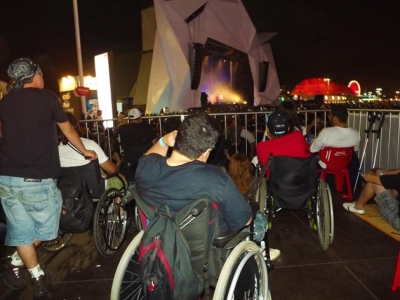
pixel 41 287
pixel 11 274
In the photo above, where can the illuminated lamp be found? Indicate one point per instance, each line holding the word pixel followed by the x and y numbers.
pixel 102 66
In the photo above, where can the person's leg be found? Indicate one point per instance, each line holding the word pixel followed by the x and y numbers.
pixel 369 191
pixel 27 253
pixel 388 206
pixel 371 188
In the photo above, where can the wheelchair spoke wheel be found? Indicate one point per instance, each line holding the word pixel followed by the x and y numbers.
pixel 57 244
pixel 270 213
pixel 126 283
pixel 110 223
pixel 323 215
pixel 138 220
pixel 131 226
pixel 244 274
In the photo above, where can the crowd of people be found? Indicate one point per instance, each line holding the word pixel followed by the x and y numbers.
pixel 163 165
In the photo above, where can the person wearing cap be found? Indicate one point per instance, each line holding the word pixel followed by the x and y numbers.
pixel 29 166
pixel 283 139
pixel 136 138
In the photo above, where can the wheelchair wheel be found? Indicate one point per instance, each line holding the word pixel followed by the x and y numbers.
pixel 332 231
pixel 110 223
pixel 130 208
pixel 57 244
pixel 270 211
pixel 138 220
pixel 126 284
pixel 323 215
pixel 262 195
pixel 244 274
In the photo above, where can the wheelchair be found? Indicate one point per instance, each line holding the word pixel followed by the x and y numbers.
pixel 234 268
pixel 296 183
pixel 111 221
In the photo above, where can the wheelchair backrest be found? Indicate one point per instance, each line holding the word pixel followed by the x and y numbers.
pixel 197 222
pixel 336 158
pixel 91 174
pixel 292 180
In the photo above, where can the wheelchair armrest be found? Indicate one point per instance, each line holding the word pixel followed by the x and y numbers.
pixel 229 239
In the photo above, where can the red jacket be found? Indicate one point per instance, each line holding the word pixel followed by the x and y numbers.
pixel 292 144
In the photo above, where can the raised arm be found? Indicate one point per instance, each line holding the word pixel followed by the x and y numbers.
pixel 75 140
pixel 161 147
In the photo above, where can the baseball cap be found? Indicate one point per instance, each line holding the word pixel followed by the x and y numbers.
pixel 134 113
pixel 278 123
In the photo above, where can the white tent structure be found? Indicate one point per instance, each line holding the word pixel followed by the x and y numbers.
pixel 181 23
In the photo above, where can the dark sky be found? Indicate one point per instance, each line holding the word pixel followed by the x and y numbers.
pixel 340 39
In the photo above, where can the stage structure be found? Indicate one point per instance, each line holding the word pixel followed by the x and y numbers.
pixel 207 47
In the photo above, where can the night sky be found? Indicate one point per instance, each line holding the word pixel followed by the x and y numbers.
pixel 341 40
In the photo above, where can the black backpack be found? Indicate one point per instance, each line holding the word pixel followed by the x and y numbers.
pixel 165 259
pixel 78 208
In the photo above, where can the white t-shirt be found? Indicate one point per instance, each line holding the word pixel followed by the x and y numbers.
pixel 336 137
pixel 70 158
pixel 248 136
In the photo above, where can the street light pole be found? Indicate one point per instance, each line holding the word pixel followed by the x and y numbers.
pixel 79 53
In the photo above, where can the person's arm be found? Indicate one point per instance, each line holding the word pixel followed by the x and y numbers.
pixel 75 140
pixel 161 146
pixel 109 167
pixel 318 142
pixel 378 171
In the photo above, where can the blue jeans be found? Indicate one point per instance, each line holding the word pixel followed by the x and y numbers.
pixel 32 209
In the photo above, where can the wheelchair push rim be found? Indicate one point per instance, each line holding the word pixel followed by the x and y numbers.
pixel 244 274
pixel 126 284
pixel 323 215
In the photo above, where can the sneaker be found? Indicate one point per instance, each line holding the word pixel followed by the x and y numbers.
pixel 11 274
pixel 350 206
pixel 274 254
pixel 41 287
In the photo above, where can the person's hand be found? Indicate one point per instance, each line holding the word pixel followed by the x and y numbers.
pixel 90 154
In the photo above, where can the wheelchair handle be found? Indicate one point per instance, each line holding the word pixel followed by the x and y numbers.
pixel 198 208
pixel 127 198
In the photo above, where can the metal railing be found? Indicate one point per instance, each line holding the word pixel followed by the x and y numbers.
pixel 380 151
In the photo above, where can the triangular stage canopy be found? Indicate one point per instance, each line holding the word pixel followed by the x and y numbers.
pixel 226 34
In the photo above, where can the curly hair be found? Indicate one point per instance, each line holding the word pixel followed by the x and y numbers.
pixel 240 171
pixel 196 134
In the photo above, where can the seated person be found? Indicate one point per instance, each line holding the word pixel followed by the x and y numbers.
pixel 185 176
pixel 339 135
pixel 136 137
pixel 283 139
pixel 288 107
pixel 70 158
pixel 240 170
pixel 384 185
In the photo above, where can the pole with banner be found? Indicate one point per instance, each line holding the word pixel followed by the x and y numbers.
pixel 79 54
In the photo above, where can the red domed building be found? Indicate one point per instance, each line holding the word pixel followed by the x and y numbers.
pixel 308 89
